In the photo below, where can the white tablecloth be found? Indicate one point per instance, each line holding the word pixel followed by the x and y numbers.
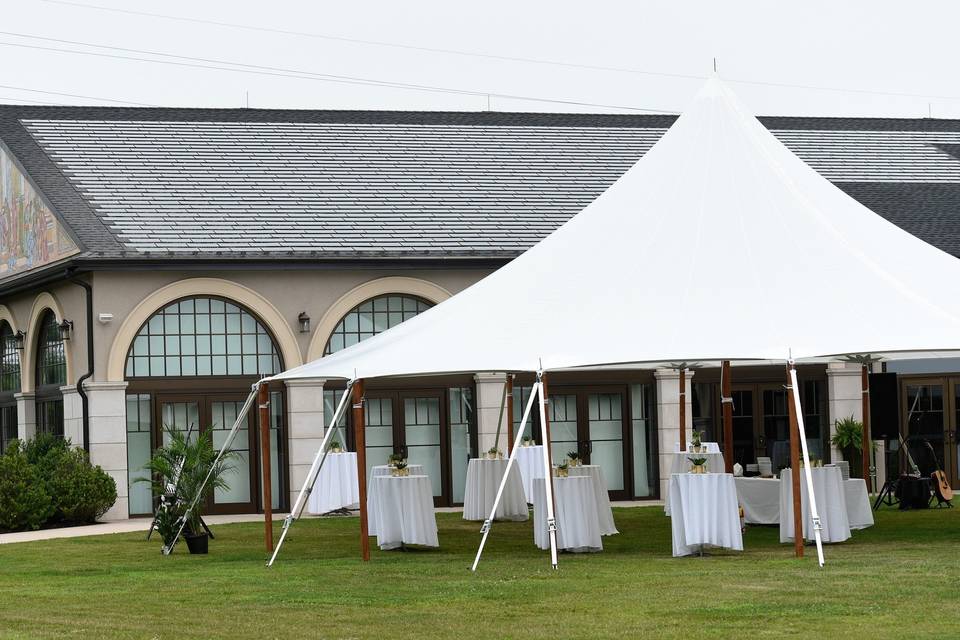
pixel 381 470
pixel 760 499
pixel 712 447
pixel 577 526
pixel 604 512
pixel 680 463
pixel 831 505
pixel 704 507
pixel 530 460
pixel 336 486
pixel 859 510
pixel 483 480
pixel 403 511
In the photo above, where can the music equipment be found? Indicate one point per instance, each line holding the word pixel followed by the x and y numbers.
pixel 941 488
pixel 884 406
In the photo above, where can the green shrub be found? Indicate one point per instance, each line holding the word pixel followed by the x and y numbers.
pixel 81 492
pixel 24 500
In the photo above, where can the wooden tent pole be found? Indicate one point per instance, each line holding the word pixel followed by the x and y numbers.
pixel 510 435
pixel 795 468
pixel 865 451
pixel 263 403
pixel 359 436
pixel 726 404
pixel 683 408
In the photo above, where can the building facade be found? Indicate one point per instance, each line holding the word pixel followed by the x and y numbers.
pixel 157 262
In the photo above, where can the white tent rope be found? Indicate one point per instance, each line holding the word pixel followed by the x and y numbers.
pixel 488 523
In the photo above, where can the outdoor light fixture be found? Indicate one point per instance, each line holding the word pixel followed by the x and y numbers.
pixel 65 327
pixel 304 321
pixel 20 338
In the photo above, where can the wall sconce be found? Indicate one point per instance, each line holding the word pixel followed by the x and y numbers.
pixel 65 327
pixel 303 321
pixel 20 339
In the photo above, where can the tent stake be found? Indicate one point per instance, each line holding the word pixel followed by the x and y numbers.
pixel 795 469
pixel 866 449
pixel 683 408
pixel 359 436
pixel 726 402
pixel 263 402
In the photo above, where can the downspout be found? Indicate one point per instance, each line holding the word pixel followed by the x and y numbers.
pixel 83 394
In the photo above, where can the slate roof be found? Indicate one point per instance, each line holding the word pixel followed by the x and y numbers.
pixel 136 184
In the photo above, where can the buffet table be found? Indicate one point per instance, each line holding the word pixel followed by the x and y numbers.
pixel 483 480
pixel 760 499
pixel 831 505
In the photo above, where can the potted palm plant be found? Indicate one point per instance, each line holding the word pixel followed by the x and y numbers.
pixel 527 441
pixel 574 458
pixel 400 469
pixel 563 470
pixel 335 447
pixel 696 439
pixel 494 454
pixel 848 438
pixel 698 465
pixel 178 470
pixel 394 459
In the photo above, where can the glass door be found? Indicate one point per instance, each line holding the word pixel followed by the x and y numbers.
pixel 776 428
pixel 743 414
pixel 378 430
pixel 242 491
pixel 925 423
pixel 605 439
pixel 422 438
pixel 564 430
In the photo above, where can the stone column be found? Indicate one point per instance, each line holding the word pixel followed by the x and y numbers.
pixel 305 427
pixel 72 415
pixel 668 419
pixel 108 437
pixel 844 399
pixel 26 415
pixel 489 397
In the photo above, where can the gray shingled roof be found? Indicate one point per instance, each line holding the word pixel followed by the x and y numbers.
pixel 253 184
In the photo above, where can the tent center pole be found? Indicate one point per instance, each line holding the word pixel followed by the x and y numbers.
pixel 359 436
pixel 683 408
pixel 510 435
pixel 798 519
pixel 726 401
pixel 866 449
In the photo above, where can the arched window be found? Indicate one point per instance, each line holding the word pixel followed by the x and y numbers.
pixel 9 384
pixel 374 316
pixel 51 375
pixel 202 336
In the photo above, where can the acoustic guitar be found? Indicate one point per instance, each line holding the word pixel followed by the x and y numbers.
pixel 942 486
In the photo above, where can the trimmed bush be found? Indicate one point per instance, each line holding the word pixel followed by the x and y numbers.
pixel 81 492
pixel 24 501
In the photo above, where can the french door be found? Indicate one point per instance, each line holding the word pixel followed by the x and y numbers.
pixel 217 413
pixel 931 418
pixel 594 421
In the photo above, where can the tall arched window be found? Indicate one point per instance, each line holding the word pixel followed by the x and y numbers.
pixel 374 316
pixel 51 375
pixel 9 384
pixel 202 337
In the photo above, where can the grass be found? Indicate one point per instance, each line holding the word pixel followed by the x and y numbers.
pixel 896 580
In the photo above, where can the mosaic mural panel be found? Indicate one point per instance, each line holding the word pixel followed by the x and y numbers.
pixel 30 235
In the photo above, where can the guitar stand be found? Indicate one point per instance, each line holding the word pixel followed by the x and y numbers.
pixel 888 494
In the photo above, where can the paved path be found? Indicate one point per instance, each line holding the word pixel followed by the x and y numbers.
pixel 142 524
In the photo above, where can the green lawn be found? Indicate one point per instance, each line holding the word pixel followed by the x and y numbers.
pixel 896 580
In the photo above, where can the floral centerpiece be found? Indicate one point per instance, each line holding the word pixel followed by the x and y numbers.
pixel 527 441
pixel 698 465
pixel 696 440
pixel 400 469
pixel 336 447
pixel 494 454
pixel 394 459
pixel 563 470
pixel 574 458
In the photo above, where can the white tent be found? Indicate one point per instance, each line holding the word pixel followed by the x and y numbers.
pixel 718 244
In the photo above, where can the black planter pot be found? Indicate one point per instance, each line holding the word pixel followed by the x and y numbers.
pixel 197 543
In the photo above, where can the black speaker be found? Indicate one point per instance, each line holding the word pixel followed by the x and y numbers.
pixel 884 406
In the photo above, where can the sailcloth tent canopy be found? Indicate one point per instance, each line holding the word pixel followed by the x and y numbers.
pixel 718 244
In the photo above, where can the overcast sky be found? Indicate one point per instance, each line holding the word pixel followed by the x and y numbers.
pixel 870 49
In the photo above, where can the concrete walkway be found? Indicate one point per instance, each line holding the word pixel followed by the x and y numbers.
pixel 142 524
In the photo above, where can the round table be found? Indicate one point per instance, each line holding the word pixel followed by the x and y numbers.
pixel 680 463
pixel 604 513
pixel 831 505
pixel 530 462
pixel 760 499
pixel 705 512
pixel 483 480
pixel 578 528
pixel 402 508
pixel 378 471
pixel 859 510
pixel 336 486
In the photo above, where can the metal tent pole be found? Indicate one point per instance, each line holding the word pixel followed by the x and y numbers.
pixel 866 449
pixel 312 474
pixel 488 523
pixel 683 408
pixel 263 402
pixel 359 434
pixel 241 416
pixel 547 471
pixel 814 515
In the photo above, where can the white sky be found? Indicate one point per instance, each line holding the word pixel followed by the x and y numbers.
pixel 896 47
